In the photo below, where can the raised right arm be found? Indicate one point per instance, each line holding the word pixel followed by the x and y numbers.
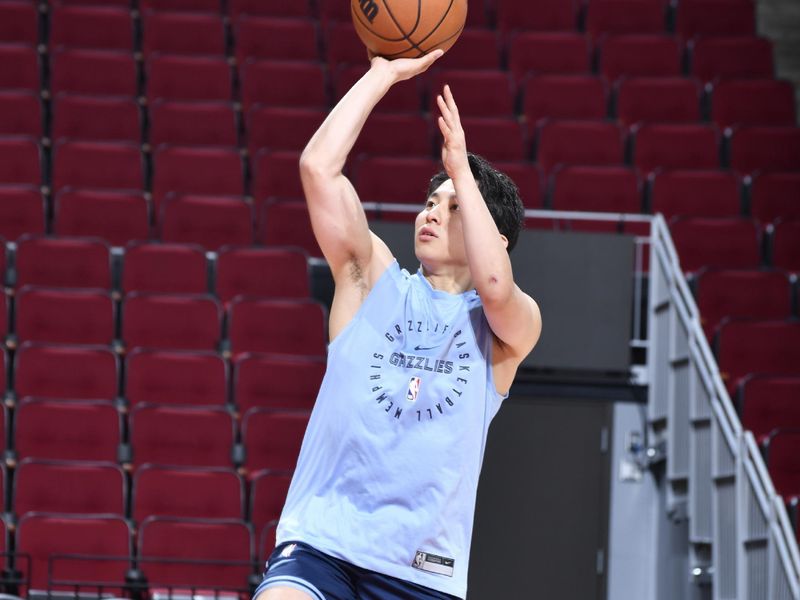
pixel 337 218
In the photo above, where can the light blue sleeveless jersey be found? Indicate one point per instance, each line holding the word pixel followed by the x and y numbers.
pixel 388 472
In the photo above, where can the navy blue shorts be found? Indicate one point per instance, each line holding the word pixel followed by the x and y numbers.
pixel 324 577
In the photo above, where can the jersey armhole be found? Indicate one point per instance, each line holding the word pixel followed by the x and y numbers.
pixel 393 273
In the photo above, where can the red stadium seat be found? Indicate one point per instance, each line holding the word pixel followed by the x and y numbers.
pixel 708 18
pixel 181 5
pixel 67 430
pixel 395 135
pixel 63 262
pixel 753 102
pixel 96 27
pixel 342 44
pixel 21 211
pixel 276 39
pixel 272 438
pixel 188 78
pixel 20 161
pixel 172 377
pixel 502 139
pixel 563 97
pixel 662 99
pixel 672 146
pixel 64 316
pixel 269 8
pixel 768 402
pixel 294 84
pixel 596 189
pixel 286 223
pixel 66 372
pixel 19 23
pixel 163 540
pixel 187 492
pixel 410 177
pixel 265 272
pixel 69 487
pixel 196 170
pixel 268 490
pixel 278 128
pixel 774 195
pixel 208 221
pixel 116 217
pixel 639 55
pixel 332 10
pixel 175 321
pixel 96 118
pixel 276 381
pixel 193 123
pixel 696 193
pixel 102 72
pixel 724 293
pixel 277 326
pixel 550 15
pixel 20 113
pixel 104 543
pixel 98 165
pixel 757 346
pixel 476 49
pixel 183 33
pixel 765 149
pixel 168 268
pixel 478 93
pixel 714 58
pixel 528 179
pixel 403 97
pixel 783 462
pixel 786 244
pixel 266 542
pixel 701 242
pixel 625 16
pixel 277 174
pixel 578 142
pixel 20 67
pixel 181 435
pixel 548 54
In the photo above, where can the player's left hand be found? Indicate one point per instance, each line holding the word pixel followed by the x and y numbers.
pixel 454 148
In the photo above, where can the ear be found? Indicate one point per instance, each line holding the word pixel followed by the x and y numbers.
pixel 504 239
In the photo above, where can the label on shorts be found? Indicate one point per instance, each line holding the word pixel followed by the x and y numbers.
pixel 432 563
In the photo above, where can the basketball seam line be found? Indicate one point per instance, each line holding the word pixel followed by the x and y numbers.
pixel 380 37
pixel 456 34
pixel 432 31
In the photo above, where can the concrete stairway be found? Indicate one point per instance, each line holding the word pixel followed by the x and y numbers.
pixel 779 20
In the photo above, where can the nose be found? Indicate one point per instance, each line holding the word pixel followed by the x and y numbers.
pixel 433 215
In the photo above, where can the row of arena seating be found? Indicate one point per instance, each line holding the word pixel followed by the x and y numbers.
pixel 487 94
pixel 119 73
pixel 687 18
pixel 103 556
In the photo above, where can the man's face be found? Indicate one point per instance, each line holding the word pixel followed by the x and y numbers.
pixel 438 235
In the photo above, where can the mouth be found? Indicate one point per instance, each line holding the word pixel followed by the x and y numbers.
pixel 426 233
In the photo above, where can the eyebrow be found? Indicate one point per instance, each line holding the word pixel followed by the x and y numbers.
pixel 436 194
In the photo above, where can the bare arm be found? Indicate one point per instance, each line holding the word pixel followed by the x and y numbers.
pixel 513 315
pixel 337 218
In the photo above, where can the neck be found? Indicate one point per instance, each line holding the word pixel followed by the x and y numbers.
pixel 453 280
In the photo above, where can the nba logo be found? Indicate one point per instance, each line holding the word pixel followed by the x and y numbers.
pixel 413 389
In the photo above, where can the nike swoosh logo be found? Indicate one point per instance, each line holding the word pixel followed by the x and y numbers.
pixel 418 348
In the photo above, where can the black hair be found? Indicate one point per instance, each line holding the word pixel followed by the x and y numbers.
pixel 499 192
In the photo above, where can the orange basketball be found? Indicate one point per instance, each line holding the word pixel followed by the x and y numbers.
pixel 408 28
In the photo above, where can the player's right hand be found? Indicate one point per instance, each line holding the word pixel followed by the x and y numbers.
pixel 401 69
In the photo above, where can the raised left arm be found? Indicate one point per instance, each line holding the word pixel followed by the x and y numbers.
pixel 512 314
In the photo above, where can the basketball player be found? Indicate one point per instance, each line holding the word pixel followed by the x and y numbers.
pixel 382 500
